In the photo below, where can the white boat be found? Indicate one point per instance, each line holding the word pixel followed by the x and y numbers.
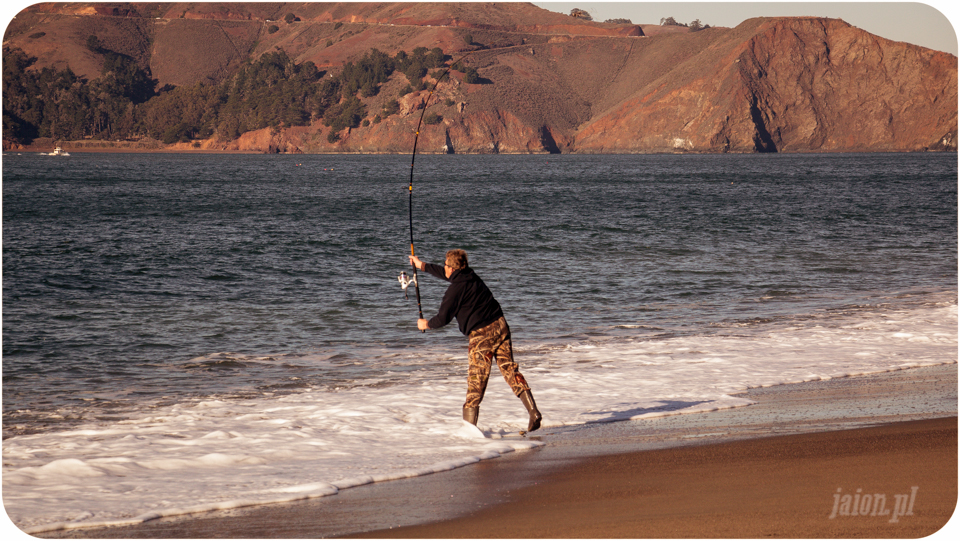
pixel 57 152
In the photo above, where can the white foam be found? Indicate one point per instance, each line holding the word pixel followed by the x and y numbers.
pixel 216 454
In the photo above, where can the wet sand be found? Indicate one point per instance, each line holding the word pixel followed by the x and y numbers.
pixel 770 469
pixel 783 486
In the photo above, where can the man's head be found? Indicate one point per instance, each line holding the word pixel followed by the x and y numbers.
pixel 456 260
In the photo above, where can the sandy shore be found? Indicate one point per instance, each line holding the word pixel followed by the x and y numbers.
pixel 772 469
pixel 783 486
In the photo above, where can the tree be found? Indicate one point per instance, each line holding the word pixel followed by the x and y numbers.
pixel 435 58
pixel 697 26
pixel 349 113
pixel 93 43
pixel 471 76
pixel 580 14
pixel 369 89
pixel 415 72
pixel 271 91
pixel 133 82
pixel 391 107
pixel 178 133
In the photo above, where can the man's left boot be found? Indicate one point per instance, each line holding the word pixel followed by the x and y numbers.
pixel 527 398
pixel 470 415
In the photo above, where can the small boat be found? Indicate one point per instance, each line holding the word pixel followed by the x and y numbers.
pixel 57 152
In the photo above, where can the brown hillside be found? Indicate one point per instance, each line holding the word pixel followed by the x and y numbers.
pixel 551 83
pixel 205 42
pixel 790 84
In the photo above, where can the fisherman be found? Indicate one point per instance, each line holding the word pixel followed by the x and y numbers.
pixel 480 318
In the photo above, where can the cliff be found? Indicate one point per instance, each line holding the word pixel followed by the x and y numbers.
pixel 798 84
pixel 550 82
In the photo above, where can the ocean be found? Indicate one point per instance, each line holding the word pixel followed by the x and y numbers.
pixel 187 332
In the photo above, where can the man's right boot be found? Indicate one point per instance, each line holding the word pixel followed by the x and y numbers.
pixel 535 417
pixel 470 415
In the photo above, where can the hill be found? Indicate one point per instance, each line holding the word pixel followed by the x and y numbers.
pixel 547 82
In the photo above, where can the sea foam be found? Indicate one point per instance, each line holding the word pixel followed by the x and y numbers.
pixel 216 454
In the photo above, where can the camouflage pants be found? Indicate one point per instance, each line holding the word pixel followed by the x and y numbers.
pixel 487 343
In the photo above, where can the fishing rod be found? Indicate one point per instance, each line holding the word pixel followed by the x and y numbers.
pixel 404 281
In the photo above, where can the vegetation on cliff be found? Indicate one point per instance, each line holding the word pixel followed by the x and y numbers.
pixel 59 104
pixel 272 91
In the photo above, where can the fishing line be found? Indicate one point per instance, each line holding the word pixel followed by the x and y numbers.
pixel 404 281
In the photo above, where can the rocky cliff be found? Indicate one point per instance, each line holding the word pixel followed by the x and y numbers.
pixel 798 84
pixel 550 83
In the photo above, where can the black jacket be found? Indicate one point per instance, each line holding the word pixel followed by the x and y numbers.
pixel 467 298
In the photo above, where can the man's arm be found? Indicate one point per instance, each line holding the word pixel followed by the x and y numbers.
pixel 435 270
pixel 447 310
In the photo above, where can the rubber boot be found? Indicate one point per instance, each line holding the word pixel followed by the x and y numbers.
pixel 527 398
pixel 470 415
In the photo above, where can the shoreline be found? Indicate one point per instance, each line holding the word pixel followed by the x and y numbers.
pixel 134 147
pixel 836 484
pixel 822 408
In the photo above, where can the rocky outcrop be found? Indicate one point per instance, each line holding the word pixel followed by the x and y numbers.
pixel 796 84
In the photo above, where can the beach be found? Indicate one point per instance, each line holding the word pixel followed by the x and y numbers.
pixel 778 468
pixel 218 345
pixel 782 486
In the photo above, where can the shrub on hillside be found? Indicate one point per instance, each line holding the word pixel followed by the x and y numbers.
pixel 391 107
pixel 346 114
pixel 471 76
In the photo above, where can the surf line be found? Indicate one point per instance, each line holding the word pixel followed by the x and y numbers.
pixel 404 282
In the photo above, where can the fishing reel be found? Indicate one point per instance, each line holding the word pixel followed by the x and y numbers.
pixel 406 282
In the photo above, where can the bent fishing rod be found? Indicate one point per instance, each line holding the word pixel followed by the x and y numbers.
pixel 404 281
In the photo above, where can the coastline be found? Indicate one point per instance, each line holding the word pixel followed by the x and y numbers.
pixel 837 484
pixel 131 147
pixel 839 416
pixel 44 145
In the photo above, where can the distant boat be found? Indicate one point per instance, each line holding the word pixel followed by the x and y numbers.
pixel 57 152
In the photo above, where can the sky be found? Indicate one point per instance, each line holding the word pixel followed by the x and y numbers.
pixel 926 24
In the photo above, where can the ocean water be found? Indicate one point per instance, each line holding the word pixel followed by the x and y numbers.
pixel 188 332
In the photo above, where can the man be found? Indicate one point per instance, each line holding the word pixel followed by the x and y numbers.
pixel 480 318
